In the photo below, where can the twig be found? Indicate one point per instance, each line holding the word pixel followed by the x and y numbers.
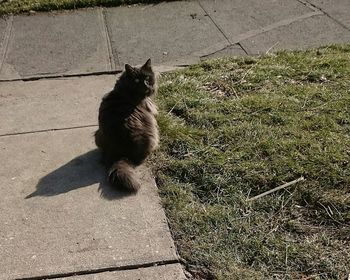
pixel 277 188
pixel 330 213
pixel 272 47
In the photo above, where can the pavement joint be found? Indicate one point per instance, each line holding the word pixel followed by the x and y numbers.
pixel 7 35
pixel 309 5
pixel 216 51
pixel 242 47
pixel 101 270
pixel 60 76
pixel 97 73
pixel 224 48
pixel 108 39
pixel 213 21
pixel 47 130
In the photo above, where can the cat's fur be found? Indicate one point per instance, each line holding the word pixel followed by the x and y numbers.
pixel 128 130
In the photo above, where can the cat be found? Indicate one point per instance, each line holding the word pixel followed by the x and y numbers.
pixel 128 130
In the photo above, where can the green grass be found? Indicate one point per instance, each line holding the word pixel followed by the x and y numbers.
pixel 236 127
pixel 22 6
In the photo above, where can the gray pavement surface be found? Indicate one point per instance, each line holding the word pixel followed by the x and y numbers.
pixel 164 32
pixel 299 35
pixel 70 43
pixel 338 10
pixel 242 17
pixel 51 103
pixel 58 215
pixel 176 33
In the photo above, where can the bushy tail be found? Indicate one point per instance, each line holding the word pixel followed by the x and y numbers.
pixel 122 175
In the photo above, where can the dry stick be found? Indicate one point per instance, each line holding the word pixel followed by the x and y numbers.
pixel 276 189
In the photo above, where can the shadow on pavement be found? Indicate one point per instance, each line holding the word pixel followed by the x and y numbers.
pixel 82 171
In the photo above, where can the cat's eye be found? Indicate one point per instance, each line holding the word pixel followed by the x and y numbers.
pixel 147 81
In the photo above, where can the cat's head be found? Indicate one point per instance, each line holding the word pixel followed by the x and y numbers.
pixel 142 80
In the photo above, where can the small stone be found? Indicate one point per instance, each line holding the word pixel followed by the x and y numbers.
pixel 323 79
pixel 165 53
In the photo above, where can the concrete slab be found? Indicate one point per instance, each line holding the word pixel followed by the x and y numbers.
pixel 237 17
pixel 299 35
pixel 56 43
pixel 51 104
pixel 339 10
pixel 58 215
pixel 165 32
pixel 163 272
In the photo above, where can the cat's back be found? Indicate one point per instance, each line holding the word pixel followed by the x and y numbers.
pixel 143 116
pixel 142 123
pixel 114 110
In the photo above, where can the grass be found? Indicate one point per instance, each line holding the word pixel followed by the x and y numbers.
pixel 23 6
pixel 236 127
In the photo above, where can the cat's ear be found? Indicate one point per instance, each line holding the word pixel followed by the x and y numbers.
pixel 129 69
pixel 147 65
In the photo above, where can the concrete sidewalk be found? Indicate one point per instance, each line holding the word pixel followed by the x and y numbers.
pixel 59 218
pixel 176 33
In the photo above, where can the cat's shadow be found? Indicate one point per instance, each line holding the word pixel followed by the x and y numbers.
pixel 82 171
